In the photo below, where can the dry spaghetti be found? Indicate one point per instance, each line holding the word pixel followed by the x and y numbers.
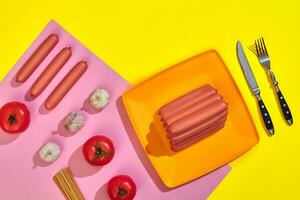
pixel 64 179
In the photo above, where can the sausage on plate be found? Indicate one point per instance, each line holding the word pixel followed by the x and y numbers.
pixel 196 138
pixel 199 129
pixel 173 117
pixel 198 117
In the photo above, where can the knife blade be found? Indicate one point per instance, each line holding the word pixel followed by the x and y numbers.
pixel 254 87
pixel 247 69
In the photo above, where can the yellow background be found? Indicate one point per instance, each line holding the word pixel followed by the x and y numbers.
pixel 140 38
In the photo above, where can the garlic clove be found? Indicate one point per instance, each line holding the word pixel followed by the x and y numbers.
pixel 49 152
pixel 74 122
pixel 99 99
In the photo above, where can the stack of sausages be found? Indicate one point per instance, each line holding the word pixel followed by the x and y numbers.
pixel 193 116
pixel 51 71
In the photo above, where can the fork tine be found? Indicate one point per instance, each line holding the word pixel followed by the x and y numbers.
pixel 263 51
pixel 253 49
pixel 261 48
pixel 257 49
pixel 263 41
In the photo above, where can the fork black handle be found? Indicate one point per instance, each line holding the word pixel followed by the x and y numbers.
pixel 283 104
pixel 284 107
pixel 266 116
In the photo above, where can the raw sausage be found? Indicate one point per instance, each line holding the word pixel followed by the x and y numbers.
pixel 180 101
pixel 65 85
pixel 193 116
pixel 173 117
pixel 198 117
pixel 187 100
pixel 36 58
pixel 200 129
pixel 50 72
pixel 196 138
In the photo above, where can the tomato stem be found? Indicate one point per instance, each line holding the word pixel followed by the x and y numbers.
pixel 122 192
pixel 12 119
pixel 100 152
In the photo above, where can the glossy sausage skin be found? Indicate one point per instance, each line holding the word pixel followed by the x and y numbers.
pixel 191 109
pixel 200 129
pixel 193 116
pixel 198 117
pixel 65 85
pixel 36 58
pixel 50 72
pixel 196 138
pixel 186 100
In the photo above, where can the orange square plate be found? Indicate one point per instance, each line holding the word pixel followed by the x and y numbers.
pixel 143 101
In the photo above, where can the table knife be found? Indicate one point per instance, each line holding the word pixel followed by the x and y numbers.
pixel 254 87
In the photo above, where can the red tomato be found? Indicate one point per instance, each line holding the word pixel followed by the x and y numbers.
pixel 121 187
pixel 14 117
pixel 98 150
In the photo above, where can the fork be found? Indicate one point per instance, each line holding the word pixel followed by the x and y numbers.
pixel 259 48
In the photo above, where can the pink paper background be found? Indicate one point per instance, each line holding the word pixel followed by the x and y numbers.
pixel 23 176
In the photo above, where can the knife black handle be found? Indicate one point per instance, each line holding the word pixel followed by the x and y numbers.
pixel 285 108
pixel 266 117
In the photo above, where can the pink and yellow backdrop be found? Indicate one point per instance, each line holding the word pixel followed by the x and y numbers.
pixel 19 153
pixel 141 38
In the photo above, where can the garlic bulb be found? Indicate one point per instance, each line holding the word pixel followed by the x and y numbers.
pixel 99 99
pixel 73 122
pixel 49 152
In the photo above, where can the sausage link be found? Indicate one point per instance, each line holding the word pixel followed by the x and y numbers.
pixel 197 117
pixel 50 72
pixel 196 138
pixel 65 85
pixel 200 129
pixel 192 108
pixel 36 58
pixel 186 100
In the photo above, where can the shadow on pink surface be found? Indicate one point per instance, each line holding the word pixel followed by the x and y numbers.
pixel 28 96
pixel 138 148
pixel 43 110
pixel 6 138
pixel 62 131
pixel 37 162
pixel 14 83
pixel 88 108
pixel 101 194
pixel 79 166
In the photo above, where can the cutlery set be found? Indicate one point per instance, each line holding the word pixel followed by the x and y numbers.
pixel 260 50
